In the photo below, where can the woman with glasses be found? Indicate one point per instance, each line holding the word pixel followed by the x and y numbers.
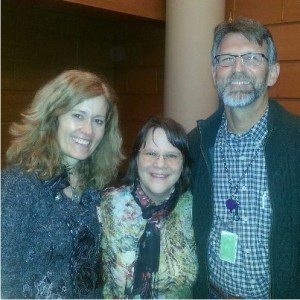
pixel 64 151
pixel 148 241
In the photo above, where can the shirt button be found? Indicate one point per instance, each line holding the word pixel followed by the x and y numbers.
pixel 247 250
pixel 245 219
pixel 244 188
pixel 243 157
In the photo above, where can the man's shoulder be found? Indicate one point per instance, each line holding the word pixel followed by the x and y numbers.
pixel 194 133
pixel 292 121
pixel 194 140
pixel 281 118
pixel 206 129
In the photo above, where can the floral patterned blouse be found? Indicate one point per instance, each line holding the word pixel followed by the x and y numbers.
pixel 123 225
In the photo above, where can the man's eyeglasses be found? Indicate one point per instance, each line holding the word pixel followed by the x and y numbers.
pixel 247 59
pixel 152 156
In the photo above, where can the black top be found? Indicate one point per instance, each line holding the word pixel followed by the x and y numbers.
pixel 50 244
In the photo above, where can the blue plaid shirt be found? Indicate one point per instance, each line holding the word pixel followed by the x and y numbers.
pixel 249 276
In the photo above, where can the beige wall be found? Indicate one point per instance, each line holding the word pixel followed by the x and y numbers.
pixel 189 91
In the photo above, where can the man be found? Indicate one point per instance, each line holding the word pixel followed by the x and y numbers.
pixel 246 189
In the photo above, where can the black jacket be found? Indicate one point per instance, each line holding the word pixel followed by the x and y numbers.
pixel 282 154
pixel 49 244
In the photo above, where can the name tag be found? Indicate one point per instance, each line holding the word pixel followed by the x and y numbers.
pixel 228 246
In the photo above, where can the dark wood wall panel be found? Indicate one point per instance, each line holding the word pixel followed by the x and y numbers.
pixel 268 11
pixel 287 38
pixel 139 107
pixel 288 85
pixel 292 105
pixel 291 10
pixel 12 101
pixel 154 9
pixel 40 40
pixel 139 78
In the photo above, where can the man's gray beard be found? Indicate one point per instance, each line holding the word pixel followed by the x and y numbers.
pixel 241 98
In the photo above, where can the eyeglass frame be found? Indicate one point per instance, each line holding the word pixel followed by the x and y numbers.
pixel 154 156
pixel 241 56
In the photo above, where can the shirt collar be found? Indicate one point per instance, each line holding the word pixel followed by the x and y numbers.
pixel 256 133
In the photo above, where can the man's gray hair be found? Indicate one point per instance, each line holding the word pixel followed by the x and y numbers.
pixel 250 29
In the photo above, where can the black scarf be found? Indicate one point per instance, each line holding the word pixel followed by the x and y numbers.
pixel 147 263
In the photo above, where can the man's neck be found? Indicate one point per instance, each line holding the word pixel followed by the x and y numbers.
pixel 242 119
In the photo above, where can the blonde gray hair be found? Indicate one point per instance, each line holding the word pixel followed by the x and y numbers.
pixel 34 146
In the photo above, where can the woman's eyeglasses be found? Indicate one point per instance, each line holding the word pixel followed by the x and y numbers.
pixel 153 156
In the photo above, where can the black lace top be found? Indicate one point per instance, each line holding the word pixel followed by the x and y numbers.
pixel 50 244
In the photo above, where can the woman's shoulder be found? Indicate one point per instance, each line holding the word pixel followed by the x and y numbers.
pixel 14 173
pixel 186 197
pixel 113 192
pixel 21 197
pixel 17 179
pixel 115 199
pixel 20 188
pixel 185 203
pixel 114 202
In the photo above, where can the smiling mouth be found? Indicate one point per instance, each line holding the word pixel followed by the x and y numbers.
pixel 161 176
pixel 82 142
pixel 240 82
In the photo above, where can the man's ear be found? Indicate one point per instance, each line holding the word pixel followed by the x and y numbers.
pixel 213 73
pixel 273 75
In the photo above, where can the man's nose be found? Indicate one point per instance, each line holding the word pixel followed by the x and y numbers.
pixel 239 64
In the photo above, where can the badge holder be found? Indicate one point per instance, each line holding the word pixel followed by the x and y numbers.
pixel 228 246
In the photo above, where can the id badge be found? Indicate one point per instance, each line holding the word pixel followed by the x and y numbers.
pixel 228 246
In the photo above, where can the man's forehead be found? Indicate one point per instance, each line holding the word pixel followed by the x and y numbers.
pixel 238 43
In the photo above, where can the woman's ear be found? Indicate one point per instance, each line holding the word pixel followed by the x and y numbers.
pixel 273 75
